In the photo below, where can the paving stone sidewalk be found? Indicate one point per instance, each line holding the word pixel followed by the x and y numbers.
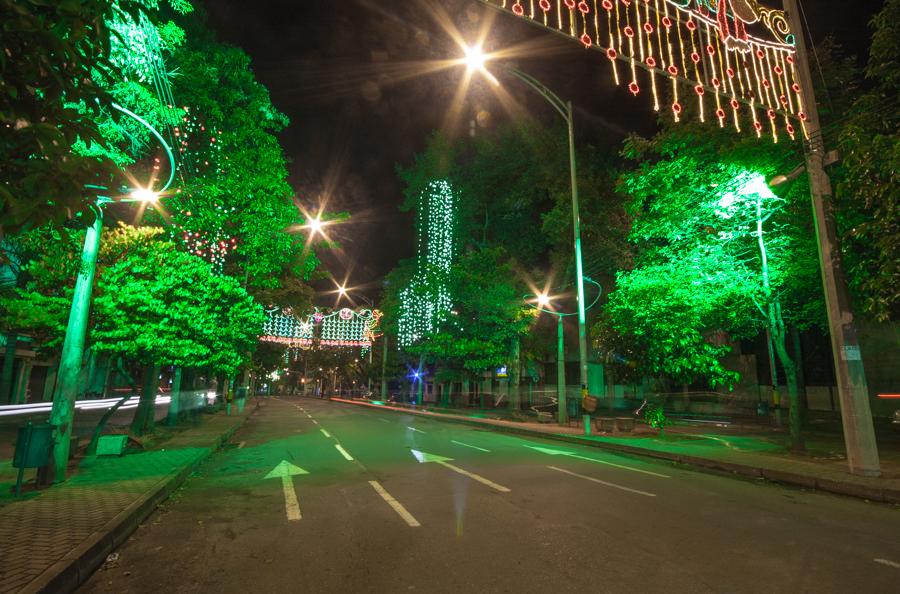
pixel 744 453
pixel 52 540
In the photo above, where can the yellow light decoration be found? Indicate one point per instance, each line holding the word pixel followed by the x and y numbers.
pixel 703 44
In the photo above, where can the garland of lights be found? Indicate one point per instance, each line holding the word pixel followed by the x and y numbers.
pixel 342 328
pixel 426 302
pixel 201 230
pixel 702 44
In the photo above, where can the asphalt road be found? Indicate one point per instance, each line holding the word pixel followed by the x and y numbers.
pixel 499 516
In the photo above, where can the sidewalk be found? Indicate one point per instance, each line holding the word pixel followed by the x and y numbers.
pixel 738 451
pixel 53 539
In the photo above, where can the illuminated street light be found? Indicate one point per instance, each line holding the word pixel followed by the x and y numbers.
pixel 315 225
pixel 143 195
pixel 543 300
pixel 476 59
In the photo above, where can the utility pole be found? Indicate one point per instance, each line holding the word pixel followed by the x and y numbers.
pixel 384 354
pixel 63 412
pixel 562 412
pixel 856 414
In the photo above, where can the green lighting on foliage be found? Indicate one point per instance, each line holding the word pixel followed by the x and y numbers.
pixel 426 302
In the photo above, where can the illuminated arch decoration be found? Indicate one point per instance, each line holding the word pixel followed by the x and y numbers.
pixel 342 328
pixel 282 326
pixel 426 302
pixel 703 45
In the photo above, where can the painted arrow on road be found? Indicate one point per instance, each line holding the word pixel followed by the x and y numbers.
pixel 554 452
pixel 424 458
pixel 286 471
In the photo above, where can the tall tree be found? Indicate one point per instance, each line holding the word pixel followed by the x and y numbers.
pixel 870 143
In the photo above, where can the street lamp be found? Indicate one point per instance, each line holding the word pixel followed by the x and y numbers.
pixel 475 59
pixel 542 302
pixel 63 411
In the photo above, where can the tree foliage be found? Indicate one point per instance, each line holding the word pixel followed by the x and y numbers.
pixel 870 144
pixel 55 70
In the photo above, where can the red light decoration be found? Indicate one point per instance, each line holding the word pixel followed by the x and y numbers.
pixel 704 44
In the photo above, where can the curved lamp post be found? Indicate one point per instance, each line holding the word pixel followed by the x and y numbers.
pixel 475 60
pixel 542 303
pixel 62 414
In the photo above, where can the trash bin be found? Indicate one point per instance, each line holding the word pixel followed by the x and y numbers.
pixel 573 407
pixel 33 445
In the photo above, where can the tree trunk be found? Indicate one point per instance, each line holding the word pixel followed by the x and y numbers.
pixel 514 375
pixel 9 361
pixel 144 416
pixel 779 340
pixel 175 402
pixel 801 377
pixel 99 374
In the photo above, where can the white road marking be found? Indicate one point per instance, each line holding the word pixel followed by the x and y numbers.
pixel 398 507
pixel 414 429
pixel 893 564
pixel 469 446
pixel 476 477
pixel 315 422
pixel 242 444
pixel 622 466
pixel 556 452
pixel 425 458
pixel 325 433
pixel 343 452
pixel 384 420
pixel 595 480
pixel 309 415
pixel 286 471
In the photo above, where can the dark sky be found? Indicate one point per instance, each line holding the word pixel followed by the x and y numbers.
pixel 339 70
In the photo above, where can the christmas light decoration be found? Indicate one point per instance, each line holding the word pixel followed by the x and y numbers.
pixel 342 328
pixel 426 302
pixel 705 45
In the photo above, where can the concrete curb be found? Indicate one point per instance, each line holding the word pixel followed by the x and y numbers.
pixel 805 481
pixel 67 574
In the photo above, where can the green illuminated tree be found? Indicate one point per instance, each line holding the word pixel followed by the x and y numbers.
pixel 720 255
pixel 244 188
pixel 157 306
pixel 56 72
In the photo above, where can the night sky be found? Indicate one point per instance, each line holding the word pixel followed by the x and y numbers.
pixel 346 74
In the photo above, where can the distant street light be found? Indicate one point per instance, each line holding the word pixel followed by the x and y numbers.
pixel 542 302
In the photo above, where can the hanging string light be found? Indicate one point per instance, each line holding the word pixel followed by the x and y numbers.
pixel 426 302
pixel 705 45
pixel 342 328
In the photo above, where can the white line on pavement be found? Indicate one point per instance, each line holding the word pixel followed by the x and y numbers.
pixel 384 420
pixel 893 564
pixel 474 476
pixel 469 446
pixel 343 452
pixel 398 507
pixel 242 444
pixel 325 433
pixel 619 466
pixel 315 422
pixel 595 480
pixel 414 429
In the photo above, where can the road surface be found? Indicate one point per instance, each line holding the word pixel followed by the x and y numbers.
pixel 313 496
